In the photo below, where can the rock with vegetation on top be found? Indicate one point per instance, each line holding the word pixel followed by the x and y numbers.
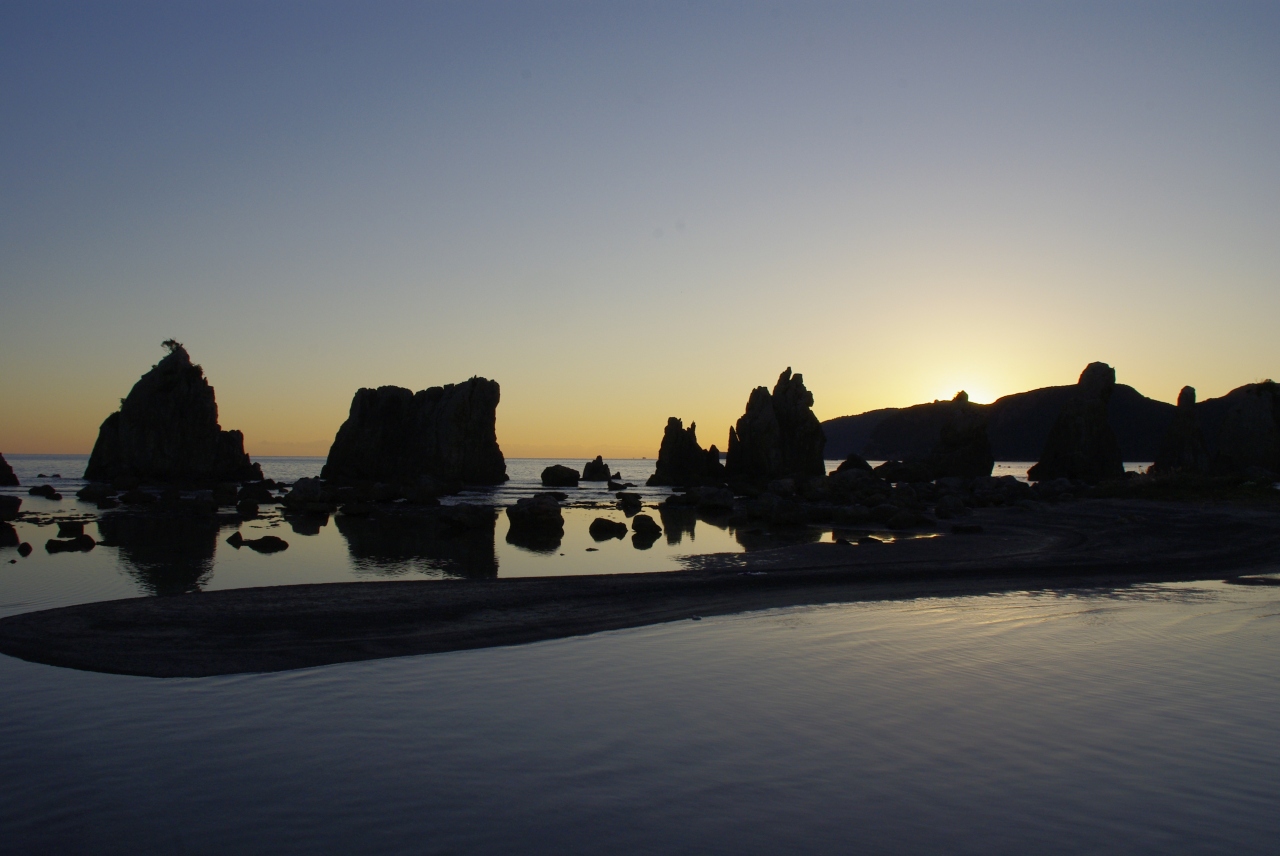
pixel 778 436
pixel 1183 448
pixel 396 436
pixel 1081 444
pixel 167 430
pixel 681 461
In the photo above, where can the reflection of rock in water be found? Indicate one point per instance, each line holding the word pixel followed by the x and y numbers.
pixel 458 544
pixel 758 538
pixel 678 522
pixel 535 540
pixel 306 523
pixel 166 553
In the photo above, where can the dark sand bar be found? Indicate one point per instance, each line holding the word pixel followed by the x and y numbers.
pixel 1094 543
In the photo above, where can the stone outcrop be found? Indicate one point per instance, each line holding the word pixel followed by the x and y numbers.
pixel 778 436
pixel 397 436
pixel 167 430
pixel 10 507
pixel 7 477
pixel 1081 444
pixel 596 470
pixel 682 462
pixel 963 449
pixel 558 475
pixel 1250 433
pixel 1183 448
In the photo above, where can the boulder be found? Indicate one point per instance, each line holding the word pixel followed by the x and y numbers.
pixel 963 449
pixel 601 529
pixel 778 436
pixel 45 490
pixel 7 477
pixel 1250 433
pixel 596 471
pixel 9 507
pixel 647 531
pixel 853 463
pixel 1081 444
pixel 628 502
pixel 70 528
pixel 167 430
pixel 1183 448
pixel 24 549
pixel 904 471
pixel 681 461
pixel 95 492
pixel 558 475
pixel 9 535
pixel 394 435
pixel 540 512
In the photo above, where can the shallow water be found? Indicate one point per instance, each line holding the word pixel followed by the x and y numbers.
pixel 1134 722
pixel 145 553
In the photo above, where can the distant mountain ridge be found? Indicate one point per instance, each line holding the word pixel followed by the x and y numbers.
pixel 1017 425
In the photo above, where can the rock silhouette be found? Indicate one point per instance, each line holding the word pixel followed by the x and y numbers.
pixel 596 470
pixel 445 432
pixel 167 430
pixel 1250 433
pixel 1183 448
pixel 1081 444
pixel 681 461
pixel 10 507
pixel 963 449
pixel 7 477
pixel 558 475
pixel 778 436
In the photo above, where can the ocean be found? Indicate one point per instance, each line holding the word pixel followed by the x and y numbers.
pixel 1138 720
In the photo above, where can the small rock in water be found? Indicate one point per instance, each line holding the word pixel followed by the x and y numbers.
pixel 24 549
pixel 602 529
pixel 45 490
pixel 79 544
pixel 559 475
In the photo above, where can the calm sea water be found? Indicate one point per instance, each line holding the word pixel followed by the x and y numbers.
pixel 1133 721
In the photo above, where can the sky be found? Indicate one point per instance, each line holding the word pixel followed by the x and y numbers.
pixel 628 211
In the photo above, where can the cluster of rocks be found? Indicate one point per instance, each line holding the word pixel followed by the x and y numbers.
pixel 447 433
pixel 558 475
pixel 1247 441
pixel 645 530
pixel 167 431
pixel 860 497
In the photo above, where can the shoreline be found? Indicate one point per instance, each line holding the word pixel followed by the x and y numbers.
pixel 1087 544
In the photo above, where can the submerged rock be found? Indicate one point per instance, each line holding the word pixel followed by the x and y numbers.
pixel 397 436
pixel 597 470
pixel 1183 448
pixel 265 544
pixel 1081 444
pixel 681 461
pixel 7 477
pixel 167 430
pixel 778 436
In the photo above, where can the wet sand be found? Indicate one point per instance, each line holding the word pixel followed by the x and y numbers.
pixel 1087 544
